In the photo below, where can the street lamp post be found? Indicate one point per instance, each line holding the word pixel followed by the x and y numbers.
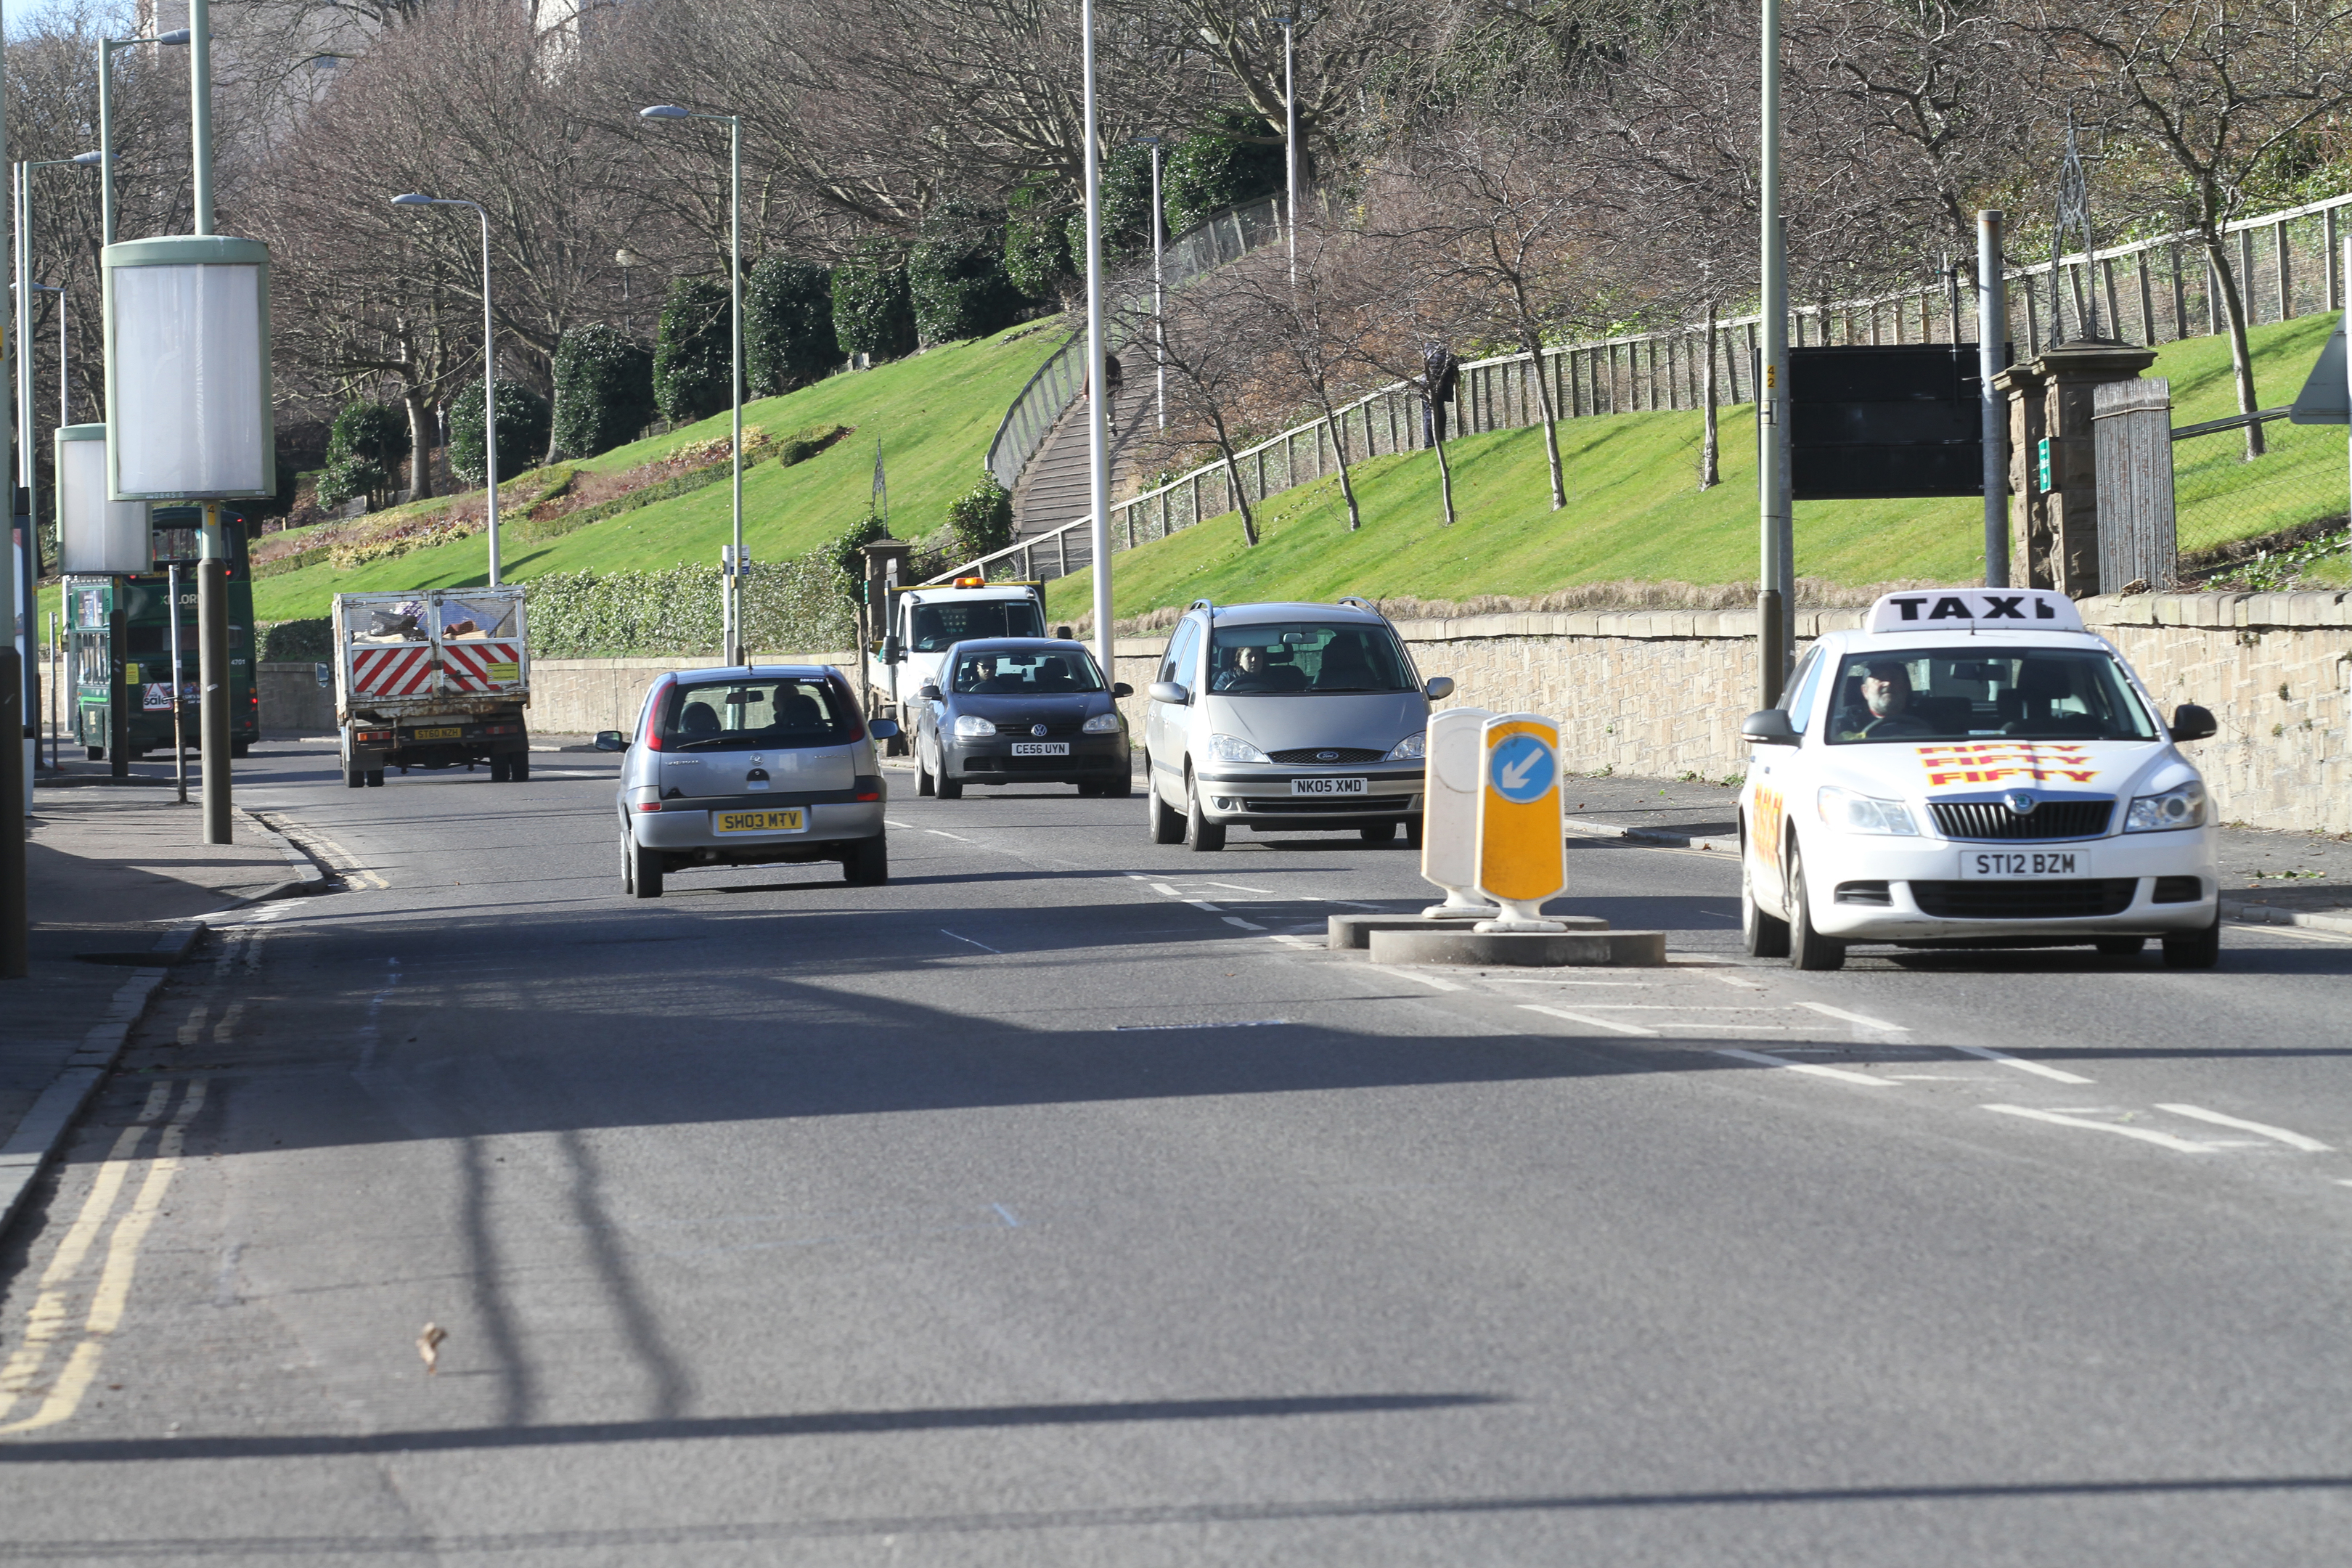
pixel 1290 145
pixel 489 367
pixel 107 49
pixel 1097 414
pixel 734 125
pixel 1776 580
pixel 1158 292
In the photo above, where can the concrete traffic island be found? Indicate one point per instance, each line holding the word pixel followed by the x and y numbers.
pixel 1355 932
pixel 1463 943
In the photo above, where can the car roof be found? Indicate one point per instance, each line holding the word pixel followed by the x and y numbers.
pixel 1257 614
pixel 1917 643
pixel 751 672
pixel 1019 645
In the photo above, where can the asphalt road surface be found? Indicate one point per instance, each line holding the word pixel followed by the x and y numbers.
pixel 1064 1201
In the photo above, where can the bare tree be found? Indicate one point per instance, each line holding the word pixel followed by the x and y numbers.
pixel 1318 331
pixel 1213 330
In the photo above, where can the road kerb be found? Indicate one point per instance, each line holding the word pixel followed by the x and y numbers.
pixel 46 1126
pixel 2271 914
pixel 1663 837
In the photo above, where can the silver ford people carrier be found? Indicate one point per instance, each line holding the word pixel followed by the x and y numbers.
pixel 1286 719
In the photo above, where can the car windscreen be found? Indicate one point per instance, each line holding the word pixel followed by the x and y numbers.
pixel 768 712
pixel 1284 657
pixel 1971 694
pixel 940 625
pixel 1027 672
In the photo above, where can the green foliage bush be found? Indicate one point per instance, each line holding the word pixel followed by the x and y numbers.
pixel 789 606
pixel 377 431
pixel 788 338
pixel 523 430
pixel 1219 168
pixel 603 390
pixel 980 520
pixel 294 642
pixel 1039 257
pixel 956 278
pixel 694 353
pixel 346 477
pixel 872 312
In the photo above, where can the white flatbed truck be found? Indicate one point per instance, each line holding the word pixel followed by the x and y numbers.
pixel 922 623
pixel 432 678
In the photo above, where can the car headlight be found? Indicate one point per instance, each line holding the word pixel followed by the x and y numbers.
pixel 1851 813
pixel 2183 805
pixel 971 726
pixel 1100 724
pixel 1234 749
pixel 1408 750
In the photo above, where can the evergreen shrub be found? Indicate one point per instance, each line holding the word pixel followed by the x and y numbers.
pixel 523 431
pixel 872 312
pixel 980 520
pixel 956 278
pixel 694 353
pixel 1218 168
pixel 603 390
pixel 788 338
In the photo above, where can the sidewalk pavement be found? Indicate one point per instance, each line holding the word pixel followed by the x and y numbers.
pixel 116 879
pixel 2267 877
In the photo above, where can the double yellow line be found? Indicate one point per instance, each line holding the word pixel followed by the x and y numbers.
pixel 48 1327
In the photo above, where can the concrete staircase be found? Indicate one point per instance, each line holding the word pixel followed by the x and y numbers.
pixel 1052 488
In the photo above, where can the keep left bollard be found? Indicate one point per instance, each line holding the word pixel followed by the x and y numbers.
pixel 1449 831
pixel 1522 853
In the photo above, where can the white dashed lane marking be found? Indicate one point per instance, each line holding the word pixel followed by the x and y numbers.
pixel 1844 1074
pixel 2276 1135
pixel 2145 1134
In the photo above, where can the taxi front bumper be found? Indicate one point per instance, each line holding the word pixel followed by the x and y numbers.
pixel 1867 888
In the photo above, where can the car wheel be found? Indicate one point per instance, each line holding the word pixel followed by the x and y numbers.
pixel 1166 826
pixel 947 788
pixel 1413 830
pixel 629 864
pixel 2196 949
pixel 1808 949
pixel 867 864
pixel 239 748
pixel 1201 835
pixel 355 777
pixel 2120 946
pixel 1760 935
pixel 375 778
pixel 1377 833
pixel 1116 789
pixel 645 868
pixel 498 772
pixel 518 768
pixel 924 783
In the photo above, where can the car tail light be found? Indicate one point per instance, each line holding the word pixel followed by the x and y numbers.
pixel 648 805
pixel 866 787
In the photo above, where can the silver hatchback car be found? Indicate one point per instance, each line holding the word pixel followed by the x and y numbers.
pixel 1285 718
pixel 750 766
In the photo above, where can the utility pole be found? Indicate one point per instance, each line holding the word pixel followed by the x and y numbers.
pixel 211 588
pixel 16 956
pixel 1290 145
pixel 1776 580
pixel 1098 416
pixel 1992 357
pixel 1159 296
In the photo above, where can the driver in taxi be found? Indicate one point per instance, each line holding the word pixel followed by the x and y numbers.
pixel 1885 712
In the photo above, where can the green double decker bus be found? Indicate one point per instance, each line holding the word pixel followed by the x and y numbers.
pixel 128 657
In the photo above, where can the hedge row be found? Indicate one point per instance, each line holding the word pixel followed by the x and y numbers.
pixel 788 607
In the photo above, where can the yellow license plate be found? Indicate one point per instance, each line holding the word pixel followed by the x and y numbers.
pixel 448 733
pixel 792 821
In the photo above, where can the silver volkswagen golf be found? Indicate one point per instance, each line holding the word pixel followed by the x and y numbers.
pixel 750 767
pixel 1285 718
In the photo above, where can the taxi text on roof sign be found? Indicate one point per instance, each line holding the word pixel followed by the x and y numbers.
pixel 1974 610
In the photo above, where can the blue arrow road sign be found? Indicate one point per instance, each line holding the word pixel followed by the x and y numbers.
pixel 1521 769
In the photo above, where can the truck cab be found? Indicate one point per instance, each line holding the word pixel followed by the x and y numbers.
pixel 922 623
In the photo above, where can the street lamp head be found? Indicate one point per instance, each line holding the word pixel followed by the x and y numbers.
pixel 663 111
pixel 624 257
pixel 89 160
pixel 176 35
pixel 413 199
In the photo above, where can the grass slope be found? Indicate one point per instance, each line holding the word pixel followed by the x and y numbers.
pixel 1633 510
pixel 934 415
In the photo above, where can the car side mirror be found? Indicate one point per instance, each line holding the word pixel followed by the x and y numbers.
pixel 2191 723
pixel 1121 688
pixel 1169 692
pixel 891 650
pixel 1770 728
pixel 927 692
pixel 884 729
pixel 612 740
pixel 325 674
pixel 1439 689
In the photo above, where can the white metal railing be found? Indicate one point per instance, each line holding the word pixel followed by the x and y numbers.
pixel 2279 277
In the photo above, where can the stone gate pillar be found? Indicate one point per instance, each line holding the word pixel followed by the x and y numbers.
pixel 2054 527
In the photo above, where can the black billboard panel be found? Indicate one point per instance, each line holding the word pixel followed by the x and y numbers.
pixel 1885 422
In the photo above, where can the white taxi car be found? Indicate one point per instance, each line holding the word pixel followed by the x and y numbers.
pixel 1974 769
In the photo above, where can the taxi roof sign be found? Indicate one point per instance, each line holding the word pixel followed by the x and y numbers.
pixel 1974 610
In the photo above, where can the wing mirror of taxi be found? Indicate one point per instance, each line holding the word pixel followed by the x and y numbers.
pixel 1770 728
pixel 884 729
pixel 612 740
pixel 1439 688
pixel 927 692
pixel 2191 723
pixel 1169 692
pixel 892 652
pixel 1121 688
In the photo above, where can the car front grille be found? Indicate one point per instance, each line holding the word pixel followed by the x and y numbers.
pixel 1327 806
pixel 2025 900
pixel 1024 729
pixel 1326 756
pixel 1991 819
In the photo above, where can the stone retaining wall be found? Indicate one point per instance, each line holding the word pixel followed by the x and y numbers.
pixel 1659 694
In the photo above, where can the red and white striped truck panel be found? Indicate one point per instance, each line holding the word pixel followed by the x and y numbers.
pixel 492 664
pixel 409 669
